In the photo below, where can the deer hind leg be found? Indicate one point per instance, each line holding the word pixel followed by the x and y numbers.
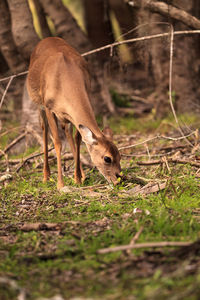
pixel 79 175
pixel 44 123
pixel 57 144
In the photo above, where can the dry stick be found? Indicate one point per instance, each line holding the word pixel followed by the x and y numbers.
pixel 19 138
pixel 157 137
pixel 106 47
pixel 137 144
pixel 166 163
pixel 11 161
pixel 170 83
pixel 135 238
pixel 154 36
pixel 5 92
pixel 167 10
pixel 173 160
pixel 139 39
pixel 144 245
pixel 2 153
pixel 29 158
pixel 9 83
pixel 145 155
pixel 10 130
pixel 13 76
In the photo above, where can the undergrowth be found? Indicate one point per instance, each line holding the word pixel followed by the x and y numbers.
pixel 65 261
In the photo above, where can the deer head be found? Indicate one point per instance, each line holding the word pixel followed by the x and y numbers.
pixel 104 154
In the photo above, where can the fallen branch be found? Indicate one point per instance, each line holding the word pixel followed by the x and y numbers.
pixel 168 10
pixel 115 44
pixel 141 39
pixel 14 75
pixel 5 92
pixel 11 130
pixel 143 245
pixel 135 238
pixel 14 142
pixel 39 226
pixel 173 160
pixel 147 189
pixel 29 158
pixel 158 137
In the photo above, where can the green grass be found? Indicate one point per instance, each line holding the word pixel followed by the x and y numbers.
pixel 74 250
pixel 65 261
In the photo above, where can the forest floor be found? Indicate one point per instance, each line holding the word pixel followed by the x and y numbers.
pixel 51 242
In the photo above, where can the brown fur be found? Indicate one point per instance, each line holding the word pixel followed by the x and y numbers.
pixel 58 82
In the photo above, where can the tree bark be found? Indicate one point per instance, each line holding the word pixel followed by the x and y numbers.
pixel 98 25
pixel 3 64
pixel 42 19
pixel 124 14
pixel 65 24
pixel 23 31
pixel 127 18
pixel 185 83
pixel 169 10
pixel 7 45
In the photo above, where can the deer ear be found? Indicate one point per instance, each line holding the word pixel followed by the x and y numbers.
pixel 107 131
pixel 87 135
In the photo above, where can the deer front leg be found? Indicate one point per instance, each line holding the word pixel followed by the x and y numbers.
pixel 57 144
pixel 44 123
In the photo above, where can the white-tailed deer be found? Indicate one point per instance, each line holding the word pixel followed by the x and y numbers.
pixel 59 83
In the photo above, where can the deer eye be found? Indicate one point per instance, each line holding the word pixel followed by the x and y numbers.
pixel 107 159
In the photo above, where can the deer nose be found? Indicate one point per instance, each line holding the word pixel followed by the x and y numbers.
pixel 118 175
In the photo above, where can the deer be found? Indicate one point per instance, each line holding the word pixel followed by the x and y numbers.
pixel 58 82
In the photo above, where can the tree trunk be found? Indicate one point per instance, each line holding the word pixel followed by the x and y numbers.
pixel 3 65
pixel 7 45
pixel 65 24
pixel 42 19
pixel 68 29
pixel 124 15
pixel 127 18
pixel 98 25
pixel 23 31
pixel 186 64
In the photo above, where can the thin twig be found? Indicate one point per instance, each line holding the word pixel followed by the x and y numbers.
pixel 158 137
pixel 154 36
pixel 139 39
pixel 170 82
pixel 13 76
pixel 145 155
pixel 2 153
pixel 29 158
pixel 170 74
pixel 14 142
pixel 177 138
pixel 135 238
pixel 11 130
pixel 173 160
pixel 6 89
pixel 137 144
pixel 144 245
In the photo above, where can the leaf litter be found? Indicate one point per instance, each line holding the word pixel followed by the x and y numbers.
pixel 104 216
